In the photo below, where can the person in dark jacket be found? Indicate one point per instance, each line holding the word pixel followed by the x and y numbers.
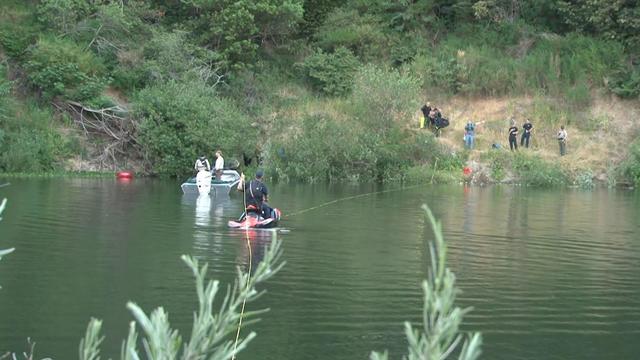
pixel 256 195
pixel 526 133
pixel 513 136
pixel 424 122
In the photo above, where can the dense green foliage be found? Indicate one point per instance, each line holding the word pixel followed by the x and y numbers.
pixel 331 73
pixel 181 121
pixel 29 140
pixel 525 169
pixel 630 169
pixel 61 67
pixel 220 63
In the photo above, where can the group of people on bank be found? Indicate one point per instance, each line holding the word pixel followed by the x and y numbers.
pixel 432 119
pixel 431 116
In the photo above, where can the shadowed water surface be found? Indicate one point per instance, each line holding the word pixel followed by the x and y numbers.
pixel 551 274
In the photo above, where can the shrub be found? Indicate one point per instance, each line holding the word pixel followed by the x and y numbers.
pixel 59 67
pixel 325 149
pixel 361 33
pixel 381 96
pixel 29 141
pixel 534 171
pixel 180 121
pixel 331 73
pixel 17 29
pixel 626 82
pixel 584 179
pixel 629 169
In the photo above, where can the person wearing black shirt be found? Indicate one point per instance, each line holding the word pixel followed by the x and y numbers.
pixel 255 195
pixel 513 136
pixel 526 134
pixel 426 109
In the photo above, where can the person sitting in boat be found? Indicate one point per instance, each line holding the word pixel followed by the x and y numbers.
pixel 219 165
pixel 256 196
pixel 202 164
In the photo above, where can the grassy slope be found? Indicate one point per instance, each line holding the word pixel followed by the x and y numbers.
pixel 599 133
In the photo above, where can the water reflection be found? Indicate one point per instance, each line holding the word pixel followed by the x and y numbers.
pixel 252 244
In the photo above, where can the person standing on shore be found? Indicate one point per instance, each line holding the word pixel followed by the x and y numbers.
pixel 562 140
pixel 526 133
pixel 470 134
pixel 424 121
pixel 513 136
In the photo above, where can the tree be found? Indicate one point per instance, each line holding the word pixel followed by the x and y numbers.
pixel 236 29
pixel 617 19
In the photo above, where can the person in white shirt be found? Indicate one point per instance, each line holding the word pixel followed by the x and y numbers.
pixel 202 164
pixel 562 140
pixel 219 166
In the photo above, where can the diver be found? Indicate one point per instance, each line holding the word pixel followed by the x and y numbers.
pixel 256 196
pixel 202 164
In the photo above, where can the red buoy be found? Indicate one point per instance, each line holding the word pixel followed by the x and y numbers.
pixel 467 171
pixel 124 175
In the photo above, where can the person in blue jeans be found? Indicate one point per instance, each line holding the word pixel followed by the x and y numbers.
pixel 470 134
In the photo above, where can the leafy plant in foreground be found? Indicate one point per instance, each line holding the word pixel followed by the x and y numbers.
pixel 211 327
pixel 440 337
pixel 4 252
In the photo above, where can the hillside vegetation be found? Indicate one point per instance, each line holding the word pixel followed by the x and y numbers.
pixel 322 90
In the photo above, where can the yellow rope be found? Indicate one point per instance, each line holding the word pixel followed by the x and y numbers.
pixel 244 301
pixel 349 198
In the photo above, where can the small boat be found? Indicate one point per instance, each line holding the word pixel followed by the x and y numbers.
pixel 254 221
pixel 198 184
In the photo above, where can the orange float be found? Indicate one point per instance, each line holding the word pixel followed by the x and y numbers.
pixel 124 175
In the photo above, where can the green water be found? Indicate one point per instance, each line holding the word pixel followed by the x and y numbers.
pixel 552 274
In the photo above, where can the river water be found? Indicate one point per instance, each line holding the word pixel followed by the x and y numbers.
pixel 551 274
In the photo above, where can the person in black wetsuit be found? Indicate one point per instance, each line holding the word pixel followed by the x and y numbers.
pixel 426 109
pixel 513 136
pixel 255 196
pixel 526 133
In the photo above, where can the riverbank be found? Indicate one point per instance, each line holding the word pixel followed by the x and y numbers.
pixel 314 106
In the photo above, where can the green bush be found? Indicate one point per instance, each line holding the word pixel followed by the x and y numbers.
pixel 180 121
pixel 325 149
pixel 29 140
pixel 382 97
pixel 331 73
pixel 533 171
pixel 584 179
pixel 18 29
pixel 629 169
pixel 626 82
pixel 361 33
pixel 59 67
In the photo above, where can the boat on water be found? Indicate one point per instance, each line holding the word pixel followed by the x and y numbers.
pixel 253 220
pixel 205 183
